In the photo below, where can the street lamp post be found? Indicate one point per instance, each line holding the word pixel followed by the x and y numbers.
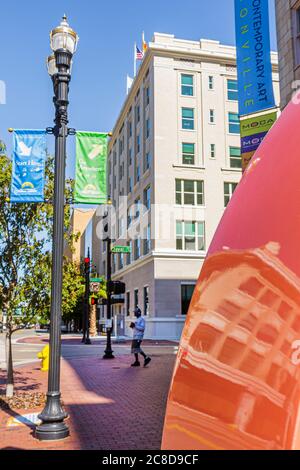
pixel 63 43
pixel 87 269
pixel 108 353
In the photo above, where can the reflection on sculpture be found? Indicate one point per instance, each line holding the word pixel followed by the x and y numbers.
pixel 235 385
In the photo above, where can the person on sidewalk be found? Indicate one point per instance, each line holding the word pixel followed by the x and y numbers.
pixel 138 335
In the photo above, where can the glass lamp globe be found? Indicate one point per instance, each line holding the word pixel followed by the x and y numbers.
pixel 51 65
pixel 63 37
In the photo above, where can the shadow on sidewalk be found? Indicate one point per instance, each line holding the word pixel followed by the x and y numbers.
pixel 108 401
pixel 14 414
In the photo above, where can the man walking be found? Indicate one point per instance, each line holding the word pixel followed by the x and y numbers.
pixel 138 335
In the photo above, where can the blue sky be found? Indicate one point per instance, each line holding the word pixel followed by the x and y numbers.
pixel 107 33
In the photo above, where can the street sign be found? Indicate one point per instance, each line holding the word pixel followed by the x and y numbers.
pixel 96 279
pixel 121 249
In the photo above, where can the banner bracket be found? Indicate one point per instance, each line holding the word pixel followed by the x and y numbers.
pixel 71 131
pixel 49 130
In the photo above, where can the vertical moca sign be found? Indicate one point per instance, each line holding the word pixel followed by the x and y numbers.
pixel 254 67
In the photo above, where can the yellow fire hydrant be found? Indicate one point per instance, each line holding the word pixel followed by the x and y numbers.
pixel 44 355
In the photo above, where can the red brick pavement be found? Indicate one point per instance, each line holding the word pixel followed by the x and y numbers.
pixel 111 405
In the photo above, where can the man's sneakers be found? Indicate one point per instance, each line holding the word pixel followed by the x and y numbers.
pixel 136 364
pixel 146 361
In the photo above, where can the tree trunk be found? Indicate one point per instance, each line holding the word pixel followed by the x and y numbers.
pixel 93 320
pixel 9 366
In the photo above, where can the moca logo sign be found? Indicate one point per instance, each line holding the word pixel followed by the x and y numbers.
pixel 258 124
pixel 2 92
pixel 263 122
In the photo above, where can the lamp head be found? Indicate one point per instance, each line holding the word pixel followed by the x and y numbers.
pixel 63 37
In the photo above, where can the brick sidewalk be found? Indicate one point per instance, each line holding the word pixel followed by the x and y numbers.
pixel 111 406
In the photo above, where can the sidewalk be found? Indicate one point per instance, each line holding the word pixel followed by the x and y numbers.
pixel 111 406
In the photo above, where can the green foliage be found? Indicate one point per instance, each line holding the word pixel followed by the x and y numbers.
pixel 25 253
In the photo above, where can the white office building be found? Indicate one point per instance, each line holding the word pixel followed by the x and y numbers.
pixel 175 149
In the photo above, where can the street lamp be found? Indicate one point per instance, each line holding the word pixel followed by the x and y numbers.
pixel 108 353
pixel 63 43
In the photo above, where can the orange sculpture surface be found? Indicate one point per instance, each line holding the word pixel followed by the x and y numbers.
pixel 236 381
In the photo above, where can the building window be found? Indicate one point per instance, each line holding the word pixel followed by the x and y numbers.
pixel 138 174
pixel 188 153
pixel 129 256
pixel 187 85
pixel 229 189
pixel 212 151
pixel 138 144
pixel 130 156
pixel 232 90
pixel 130 185
pixel 235 157
pixel 130 129
pixel 187 291
pixel 234 123
pixel 210 82
pixel 121 170
pixel 188 119
pixel 148 128
pixel 136 298
pixel 147 240
pixel 137 248
pixel 296 34
pixel 190 236
pixel 147 198
pixel 121 260
pixel 146 300
pixel 189 192
pixel 148 161
pixel 137 113
pixel 115 157
pixel 211 116
pixel 137 209
pixel 147 96
pixel 128 304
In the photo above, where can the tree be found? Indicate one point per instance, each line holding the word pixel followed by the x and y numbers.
pixel 25 257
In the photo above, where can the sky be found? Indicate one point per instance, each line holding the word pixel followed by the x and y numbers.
pixel 107 32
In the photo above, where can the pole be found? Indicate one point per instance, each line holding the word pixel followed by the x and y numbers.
pixel 87 299
pixel 134 60
pixel 108 353
pixel 53 426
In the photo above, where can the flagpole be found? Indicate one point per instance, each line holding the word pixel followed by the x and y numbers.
pixel 134 60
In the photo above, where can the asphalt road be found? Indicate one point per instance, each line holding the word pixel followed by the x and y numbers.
pixel 24 353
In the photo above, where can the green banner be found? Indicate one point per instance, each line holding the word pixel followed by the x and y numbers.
pixel 258 124
pixel 90 179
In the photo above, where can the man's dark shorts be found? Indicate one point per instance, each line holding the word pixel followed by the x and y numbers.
pixel 136 346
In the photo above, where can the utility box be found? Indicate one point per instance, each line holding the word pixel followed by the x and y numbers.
pixel 119 327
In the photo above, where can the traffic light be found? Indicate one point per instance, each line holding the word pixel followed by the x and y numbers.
pixel 93 300
pixel 117 287
pixel 87 265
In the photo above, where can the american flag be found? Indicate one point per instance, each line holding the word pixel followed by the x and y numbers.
pixel 139 54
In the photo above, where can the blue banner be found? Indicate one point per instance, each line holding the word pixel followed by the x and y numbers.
pixel 28 171
pixel 255 85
